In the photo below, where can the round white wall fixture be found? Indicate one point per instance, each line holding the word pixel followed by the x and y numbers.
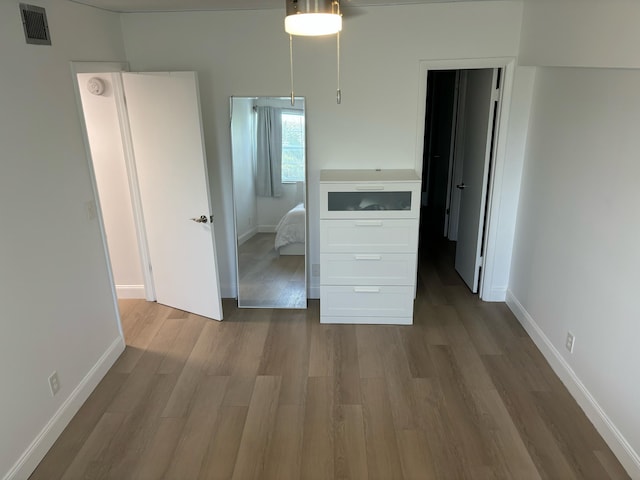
pixel 95 85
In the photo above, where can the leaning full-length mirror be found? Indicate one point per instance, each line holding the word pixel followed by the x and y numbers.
pixel 269 171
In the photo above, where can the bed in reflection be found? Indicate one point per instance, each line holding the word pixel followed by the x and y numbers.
pixel 290 232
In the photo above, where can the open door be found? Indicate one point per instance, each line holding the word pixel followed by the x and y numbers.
pixel 166 134
pixel 481 107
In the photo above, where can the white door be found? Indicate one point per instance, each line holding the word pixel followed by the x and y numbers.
pixel 168 146
pixel 480 109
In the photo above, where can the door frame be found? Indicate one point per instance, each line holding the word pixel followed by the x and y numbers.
pixel 488 291
pixel 138 219
pixel 455 159
pixel 455 120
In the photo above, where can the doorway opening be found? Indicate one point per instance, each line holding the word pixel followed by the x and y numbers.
pixel 100 96
pixel 462 114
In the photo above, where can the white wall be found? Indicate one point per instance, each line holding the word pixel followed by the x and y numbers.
pixel 573 266
pixel 244 185
pixel 57 304
pixel 576 258
pixel 103 130
pixel 581 33
pixel 247 53
pixel 271 210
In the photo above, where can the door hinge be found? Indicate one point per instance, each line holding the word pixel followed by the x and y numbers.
pixel 495 95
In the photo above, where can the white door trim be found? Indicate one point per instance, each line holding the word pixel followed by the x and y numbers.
pixel 488 291
pixel 452 150
pixel 134 188
pixel 457 152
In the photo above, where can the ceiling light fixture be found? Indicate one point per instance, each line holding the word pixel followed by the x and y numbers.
pixel 313 18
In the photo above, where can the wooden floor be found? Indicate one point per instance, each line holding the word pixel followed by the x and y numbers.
pixel 268 279
pixel 272 394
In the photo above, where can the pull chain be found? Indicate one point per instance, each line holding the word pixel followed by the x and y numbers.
pixel 293 100
pixel 339 92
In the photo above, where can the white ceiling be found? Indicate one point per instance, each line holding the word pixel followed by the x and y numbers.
pixel 129 6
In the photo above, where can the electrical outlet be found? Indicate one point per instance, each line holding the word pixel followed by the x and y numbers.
pixel 54 383
pixel 570 342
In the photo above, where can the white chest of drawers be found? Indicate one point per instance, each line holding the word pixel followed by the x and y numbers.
pixel 368 245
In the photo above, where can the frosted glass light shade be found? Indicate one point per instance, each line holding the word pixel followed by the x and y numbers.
pixel 313 24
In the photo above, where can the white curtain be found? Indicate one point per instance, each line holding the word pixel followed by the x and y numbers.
pixel 269 152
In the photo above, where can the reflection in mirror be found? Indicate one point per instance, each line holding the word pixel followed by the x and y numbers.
pixel 269 171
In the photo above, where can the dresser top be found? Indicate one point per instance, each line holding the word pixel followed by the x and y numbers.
pixel 369 176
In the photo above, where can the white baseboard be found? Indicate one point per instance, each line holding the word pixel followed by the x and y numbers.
pixel 130 291
pixel 366 320
pixel 228 291
pixel 314 292
pixel 32 456
pixel 621 448
pixel 495 294
pixel 267 228
pixel 247 235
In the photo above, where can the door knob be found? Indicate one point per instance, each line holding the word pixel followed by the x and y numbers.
pixel 461 186
pixel 201 219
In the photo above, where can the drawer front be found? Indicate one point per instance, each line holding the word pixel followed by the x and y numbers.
pixel 370 200
pixel 369 236
pixel 367 268
pixel 366 301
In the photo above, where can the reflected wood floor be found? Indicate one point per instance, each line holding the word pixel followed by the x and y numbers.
pixel 272 394
pixel 268 279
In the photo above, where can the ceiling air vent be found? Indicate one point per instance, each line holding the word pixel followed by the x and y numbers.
pixel 34 21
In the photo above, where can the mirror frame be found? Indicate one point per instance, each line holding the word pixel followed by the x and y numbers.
pixel 235 212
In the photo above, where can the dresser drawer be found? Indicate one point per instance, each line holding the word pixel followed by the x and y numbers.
pixel 367 268
pixel 370 200
pixel 366 301
pixel 369 236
